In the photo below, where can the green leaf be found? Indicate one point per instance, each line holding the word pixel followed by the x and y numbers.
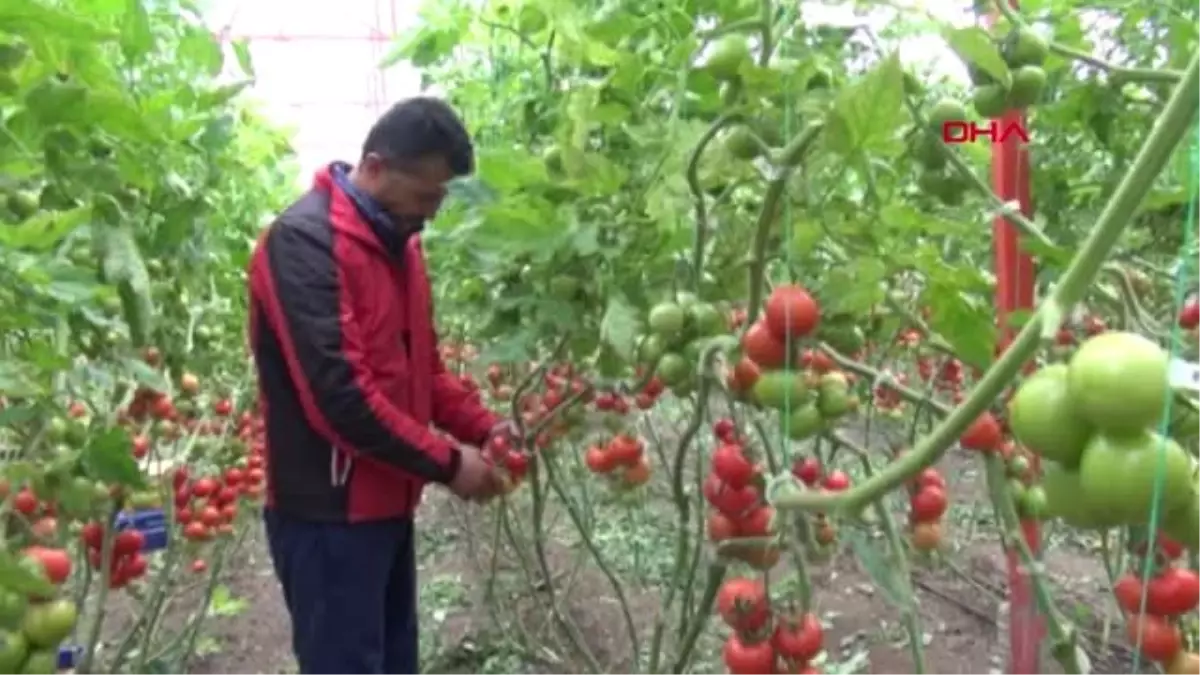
pixel 137 38
pixel 23 577
pixel 17 414
pixel 44 230
pixel 107 458
pixel 199 49
pixel 620 327
pixel 18 380
pixel 965 321
pixel 34 18
pixel 241 51
pixel 424 47
pixel 975 46
pixel 867 113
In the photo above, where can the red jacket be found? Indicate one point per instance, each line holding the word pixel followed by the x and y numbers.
pixel 350 378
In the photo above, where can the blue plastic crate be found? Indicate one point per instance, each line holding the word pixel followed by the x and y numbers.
pixel 68 656
pixel 152 523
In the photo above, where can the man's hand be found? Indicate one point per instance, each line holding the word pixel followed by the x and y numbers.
pixel 477 479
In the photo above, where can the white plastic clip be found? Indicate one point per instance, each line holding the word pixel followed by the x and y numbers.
pixel 1183 375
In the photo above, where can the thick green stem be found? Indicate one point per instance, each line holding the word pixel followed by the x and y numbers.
pixel 1172 126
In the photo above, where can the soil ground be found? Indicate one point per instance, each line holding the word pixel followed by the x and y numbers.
pixel 960 594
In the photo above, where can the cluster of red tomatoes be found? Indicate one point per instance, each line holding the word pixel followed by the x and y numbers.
pixel 790 314
pixel 733 490
pixel 927 503
pixel 764 641
pixel 207 506
pixel 622 460
pixel 514 460
pixel 42 514
pixel 644 399
pixel 946 376
pixel 126 563
pixel 808 470
pixel 1154 609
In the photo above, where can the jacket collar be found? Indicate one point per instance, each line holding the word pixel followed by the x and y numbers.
pixel 381 230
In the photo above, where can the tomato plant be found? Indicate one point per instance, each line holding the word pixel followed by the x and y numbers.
pixel 711 253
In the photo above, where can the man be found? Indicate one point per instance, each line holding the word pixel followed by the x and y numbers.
pixel 350 383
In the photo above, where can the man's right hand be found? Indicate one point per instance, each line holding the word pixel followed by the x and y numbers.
pixel 477 479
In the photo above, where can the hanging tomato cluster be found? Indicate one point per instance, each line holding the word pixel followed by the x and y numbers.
pixel 886 398
pixel 1171 592
pixel 762 641
pixel 927 503
pixel 514 460
pixel 622 460
pixel 790 314
pixel 946 376
pixel 808 470
pixel 127 563
pixel 733 490
pixel 207 506
pixel 650 393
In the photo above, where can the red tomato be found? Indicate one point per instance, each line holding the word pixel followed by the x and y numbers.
pixel 807 470
pixel 92 534
pixel 25 502
pixel 1173 592
pixel 742 658
pixel 763 348
pixel 1189 314
pixel 128 542
pixel 1155 637
pixel 791 313
pixel 729 463
pixel 928 505
pixel 984 434
pixel 798 638
pixel 55 561
pixel 743 604
pixel 760 522
pixel 721 527
pixel 836 481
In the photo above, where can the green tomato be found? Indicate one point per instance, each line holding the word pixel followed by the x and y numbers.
pixel 673 369
pixel 14 648
pixel 1183 524
pixel 40 662
pixel 48 624
pixel 706 320
pixel 1028 84
pixel 1043 420
pixel 1026 48
pixel 1034 502
pixel 12 609
pixel 780 389
pixel 728 56
pixel 803 422
pixel 1064 499
pixel 1118 382
pixel 990 100
pixel 1119 476
pixel 833 395
pixel 945 110
pixel 666 320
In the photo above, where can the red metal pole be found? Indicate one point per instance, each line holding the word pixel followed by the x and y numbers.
pixel 1014 292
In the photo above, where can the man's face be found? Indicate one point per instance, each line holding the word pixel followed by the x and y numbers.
pixel 412 193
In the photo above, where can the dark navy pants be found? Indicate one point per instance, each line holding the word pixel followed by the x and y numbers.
pixel 351 590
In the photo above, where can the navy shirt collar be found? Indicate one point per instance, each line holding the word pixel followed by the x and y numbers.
pixel 382 224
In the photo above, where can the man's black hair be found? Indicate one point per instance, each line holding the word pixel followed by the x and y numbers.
pixel 418 128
